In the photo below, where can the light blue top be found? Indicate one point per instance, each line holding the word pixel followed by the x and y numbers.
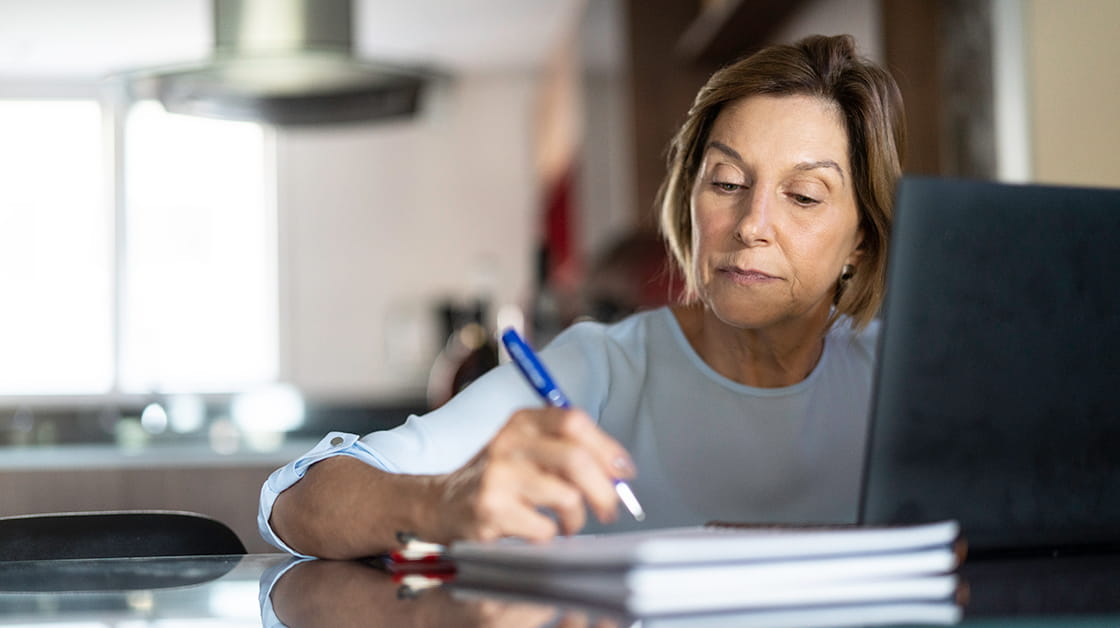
pixel 706 447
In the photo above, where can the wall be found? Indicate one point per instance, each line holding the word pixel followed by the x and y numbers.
pixel 1074 89
pixel 1056 88
pixel 605 178
pixel 858 18
pixel 381 222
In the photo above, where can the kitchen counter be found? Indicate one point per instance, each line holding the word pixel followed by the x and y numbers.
pixel 155 455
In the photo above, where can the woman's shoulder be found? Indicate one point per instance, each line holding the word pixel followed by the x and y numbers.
pixel 628 334
pixel 618 347
pixel 600 361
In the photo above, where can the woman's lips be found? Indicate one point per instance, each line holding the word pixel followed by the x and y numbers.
pixel 746 276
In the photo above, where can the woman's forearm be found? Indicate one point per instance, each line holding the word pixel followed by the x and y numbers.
pixel 553 459
pixel 343 508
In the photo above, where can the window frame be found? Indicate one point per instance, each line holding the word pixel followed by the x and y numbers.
pixel 115 98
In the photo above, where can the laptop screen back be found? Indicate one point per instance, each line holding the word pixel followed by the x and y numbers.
pixel 997 394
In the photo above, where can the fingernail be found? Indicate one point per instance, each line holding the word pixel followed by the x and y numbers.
pixel 624 466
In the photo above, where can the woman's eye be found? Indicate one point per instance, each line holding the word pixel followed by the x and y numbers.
pixel 801 199
pixel 726 187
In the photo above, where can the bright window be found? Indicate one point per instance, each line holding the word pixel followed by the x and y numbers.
pixel 200 288
pixel 56 257
pixel 196 285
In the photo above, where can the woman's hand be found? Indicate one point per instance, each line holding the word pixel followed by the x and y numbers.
pixel 555 459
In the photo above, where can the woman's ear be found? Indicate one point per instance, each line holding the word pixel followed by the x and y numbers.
pixel 856 255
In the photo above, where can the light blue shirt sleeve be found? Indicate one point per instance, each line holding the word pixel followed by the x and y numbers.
pixel 333 444
pixel 446 438
pixel 268 580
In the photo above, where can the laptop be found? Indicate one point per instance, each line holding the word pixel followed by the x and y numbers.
pixel 996 400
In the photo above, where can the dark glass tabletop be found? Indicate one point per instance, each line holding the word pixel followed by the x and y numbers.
pixel 275 590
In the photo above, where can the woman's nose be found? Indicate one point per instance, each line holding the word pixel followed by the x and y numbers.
pixel 755 225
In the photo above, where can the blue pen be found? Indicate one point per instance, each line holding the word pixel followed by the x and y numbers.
pixel 531 367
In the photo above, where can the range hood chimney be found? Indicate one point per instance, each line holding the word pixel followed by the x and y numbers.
pixel 286 62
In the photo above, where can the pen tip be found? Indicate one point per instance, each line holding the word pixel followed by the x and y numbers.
pixel 629 500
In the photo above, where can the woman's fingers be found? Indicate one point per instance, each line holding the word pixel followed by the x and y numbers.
pixel 485 501
pixel 565 501
pixel 567 443
pixel 576 426
pixel 525 521
pixel 513 493
pixel 550 459
pixel 578 470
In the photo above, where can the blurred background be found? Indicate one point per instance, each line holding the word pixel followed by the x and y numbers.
pixel 230 226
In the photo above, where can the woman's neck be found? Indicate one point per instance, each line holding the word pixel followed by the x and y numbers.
pixel 774 357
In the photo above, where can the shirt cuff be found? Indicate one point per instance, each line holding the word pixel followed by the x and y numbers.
pixel 268 580
pixel 333 444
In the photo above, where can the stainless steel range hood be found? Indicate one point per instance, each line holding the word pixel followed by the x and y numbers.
pixel 286 62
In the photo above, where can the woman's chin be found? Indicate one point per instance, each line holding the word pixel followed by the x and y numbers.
pixel 760 315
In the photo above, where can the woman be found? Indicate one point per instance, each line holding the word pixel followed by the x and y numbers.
pixel 748 401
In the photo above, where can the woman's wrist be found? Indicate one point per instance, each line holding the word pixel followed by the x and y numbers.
pixel 427 518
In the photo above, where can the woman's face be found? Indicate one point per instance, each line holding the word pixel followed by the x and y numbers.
pixel 774 216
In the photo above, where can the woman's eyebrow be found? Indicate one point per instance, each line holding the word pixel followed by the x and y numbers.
pixel 724 148
pixel 824 163
pixel 803 166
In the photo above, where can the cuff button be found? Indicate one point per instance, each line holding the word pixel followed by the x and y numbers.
pixel 336 441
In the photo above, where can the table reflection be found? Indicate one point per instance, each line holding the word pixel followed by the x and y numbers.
pixel 276 590
pixel 134 592
pixel 1041 587
pixel 341 593
pixel 1038 591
